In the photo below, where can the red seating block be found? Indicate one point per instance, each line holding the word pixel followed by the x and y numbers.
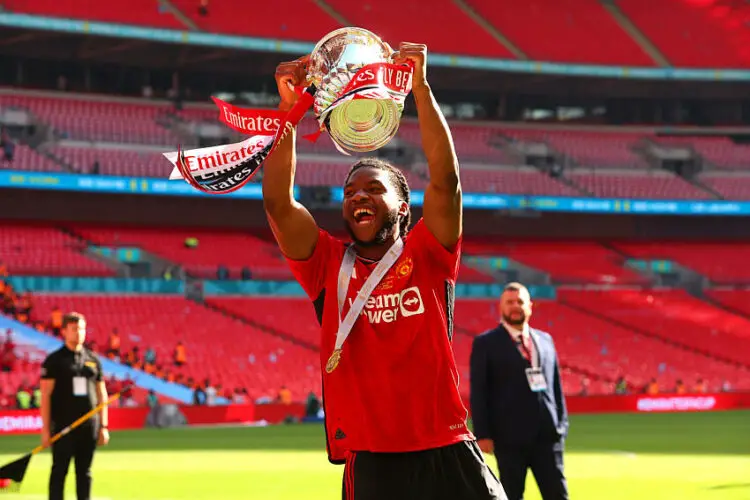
pixel 139 12
pixel 220 348
pixel 672 315
pixel 721 262
pixel 566 262
pixel 695 33
pixel 578 31
pixel 46 251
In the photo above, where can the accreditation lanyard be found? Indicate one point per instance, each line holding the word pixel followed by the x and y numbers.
pixel 345 275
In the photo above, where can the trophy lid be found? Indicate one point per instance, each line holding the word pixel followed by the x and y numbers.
pixel 343 48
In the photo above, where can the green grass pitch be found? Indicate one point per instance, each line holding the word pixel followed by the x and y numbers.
pixel 666 456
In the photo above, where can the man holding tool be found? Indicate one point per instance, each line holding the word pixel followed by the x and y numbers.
pixel 72 386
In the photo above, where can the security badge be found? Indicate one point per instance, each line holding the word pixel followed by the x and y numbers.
pixel 80 386
pixel 537 383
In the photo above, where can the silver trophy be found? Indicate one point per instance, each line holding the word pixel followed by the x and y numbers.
pixel 357 125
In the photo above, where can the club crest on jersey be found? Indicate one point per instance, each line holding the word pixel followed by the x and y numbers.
pixel 404 268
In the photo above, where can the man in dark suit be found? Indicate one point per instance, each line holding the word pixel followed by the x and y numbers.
pixel 517 404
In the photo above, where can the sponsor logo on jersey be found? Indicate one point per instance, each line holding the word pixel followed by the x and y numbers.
pixel 389 307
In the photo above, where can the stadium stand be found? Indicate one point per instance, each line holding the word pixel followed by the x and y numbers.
pixel 29 160
pixel 655 184
pixel 444 25
pixel 46 250
pixel 672 315
pixel 308 21
pixel 734 187
pixel 698 34
pixel 720 262
pixel 569 30
pixel 232 250
pixel 102 119
pixel 227 351
pixel 138 12
pixel 718 151
pixel 735 300
pixel 566 262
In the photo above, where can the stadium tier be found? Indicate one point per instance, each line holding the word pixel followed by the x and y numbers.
pixel 444 25
pixel 581 31
pixel 46 251
pixel 734 300
pixel 566 262
pixel 139 12
pixel 27 159
pixel 735 187
pixel 720 262
pixel 225 350
pixel 103 119
pixel 232 250
pixel 604 349
pixel 710 33
pixel 586 343
pixel 690 33
pixel 672 315
pixel 719 151
pixel 659 185
pixel 300 20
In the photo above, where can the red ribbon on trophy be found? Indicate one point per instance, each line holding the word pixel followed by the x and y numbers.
pixel 226 168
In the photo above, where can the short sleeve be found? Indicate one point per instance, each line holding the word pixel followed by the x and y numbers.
pixel 49 369
pixel 311 273
pixel 447 260
pixel 99 371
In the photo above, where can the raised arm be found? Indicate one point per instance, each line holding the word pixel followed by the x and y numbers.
pixel 442 198
pixel 293 226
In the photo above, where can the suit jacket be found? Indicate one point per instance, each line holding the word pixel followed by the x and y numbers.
pixel 503 406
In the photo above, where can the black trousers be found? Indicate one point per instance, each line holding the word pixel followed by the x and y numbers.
pixel 78 446
pixel 455 472
pixel 546 463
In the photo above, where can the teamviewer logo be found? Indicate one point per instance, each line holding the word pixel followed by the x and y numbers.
pixel 411 302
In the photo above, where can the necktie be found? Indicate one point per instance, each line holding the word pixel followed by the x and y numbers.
pixel 525 350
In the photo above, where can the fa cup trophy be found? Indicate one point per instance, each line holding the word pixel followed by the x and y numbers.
pixel 359 94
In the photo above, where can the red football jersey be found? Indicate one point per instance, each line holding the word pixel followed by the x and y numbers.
pixel 396 386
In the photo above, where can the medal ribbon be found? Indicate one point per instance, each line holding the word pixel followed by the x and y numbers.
pixel 345 275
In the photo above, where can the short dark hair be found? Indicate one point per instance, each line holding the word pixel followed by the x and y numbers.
pixel 397 178
pixel 72 318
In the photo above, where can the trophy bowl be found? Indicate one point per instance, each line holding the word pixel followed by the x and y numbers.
pixel 357 125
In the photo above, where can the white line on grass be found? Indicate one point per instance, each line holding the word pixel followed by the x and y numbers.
pixel 622 453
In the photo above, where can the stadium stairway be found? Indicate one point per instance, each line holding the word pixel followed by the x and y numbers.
pixel 635 33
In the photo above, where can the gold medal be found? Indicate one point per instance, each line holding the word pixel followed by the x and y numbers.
pixel 333 361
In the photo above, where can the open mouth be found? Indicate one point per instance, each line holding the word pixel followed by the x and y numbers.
pixel 364 215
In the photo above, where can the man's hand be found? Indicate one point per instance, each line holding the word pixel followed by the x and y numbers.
pixel 290 75
pixel 486 445
pixel 45 437
pixel 417 54
pixel 103 437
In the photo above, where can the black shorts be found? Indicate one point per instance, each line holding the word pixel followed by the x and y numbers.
pixel 455 472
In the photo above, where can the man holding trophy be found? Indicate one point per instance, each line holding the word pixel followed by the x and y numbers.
pixel 394 415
